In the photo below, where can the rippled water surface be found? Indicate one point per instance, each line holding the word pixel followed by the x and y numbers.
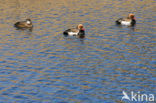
pixel 43 66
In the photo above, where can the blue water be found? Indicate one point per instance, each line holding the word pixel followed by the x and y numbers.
pixel 43 66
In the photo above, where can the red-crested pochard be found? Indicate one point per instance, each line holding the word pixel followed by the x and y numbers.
pixel 79 30
pixel 129 21
pixel 24 24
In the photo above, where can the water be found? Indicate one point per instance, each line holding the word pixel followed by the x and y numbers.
pixel 43 66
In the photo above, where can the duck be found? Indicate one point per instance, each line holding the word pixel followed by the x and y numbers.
pixel 129 21
pixel 78 31
pixel 24 24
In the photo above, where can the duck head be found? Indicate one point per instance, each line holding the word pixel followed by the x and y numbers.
pixel 80 27
pixel 131 16
pixel 28 21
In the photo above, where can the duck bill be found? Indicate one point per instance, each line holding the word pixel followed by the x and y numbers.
pixel 134 18
pixel 83 29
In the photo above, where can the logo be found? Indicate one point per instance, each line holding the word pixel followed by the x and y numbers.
pixel 137 97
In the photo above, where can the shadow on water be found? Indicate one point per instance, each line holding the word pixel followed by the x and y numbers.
pixel 27 31
pixel 129 29
pixel 80 38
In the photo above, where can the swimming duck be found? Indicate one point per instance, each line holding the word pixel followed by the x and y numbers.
pixel 79 30
pixel 129 21
pixel 24 24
